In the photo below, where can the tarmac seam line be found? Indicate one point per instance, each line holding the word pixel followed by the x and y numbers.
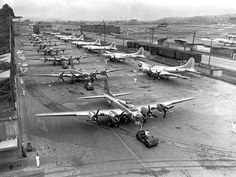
pixel 197 165
pixel 138 159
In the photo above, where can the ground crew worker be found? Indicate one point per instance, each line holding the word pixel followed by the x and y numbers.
pixel 234 127
pixel 147 133
pixel 37 160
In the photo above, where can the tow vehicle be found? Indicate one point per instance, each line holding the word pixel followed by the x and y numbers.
pixel 89 86
pixel 148 141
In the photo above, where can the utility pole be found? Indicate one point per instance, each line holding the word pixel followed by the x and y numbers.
pixel 104 31
pixel 123 37
pixel 152 33
pixel 209 60
pixel 150 37
pixel 194 35
pixel 153 29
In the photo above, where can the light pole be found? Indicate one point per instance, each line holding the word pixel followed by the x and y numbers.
pixel 152 34
pixel 194 35
pixel 209 60
pixel 153 30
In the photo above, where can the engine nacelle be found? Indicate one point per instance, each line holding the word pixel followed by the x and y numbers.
pixel 113 113
pixel 94 115
pixel 91 114
pixel 125 102
pixel 163 108
pixel 144 111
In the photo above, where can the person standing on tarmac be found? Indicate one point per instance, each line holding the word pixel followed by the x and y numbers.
pixel 37 160
pixel 147 133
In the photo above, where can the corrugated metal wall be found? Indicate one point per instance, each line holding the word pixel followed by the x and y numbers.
pixel 8 129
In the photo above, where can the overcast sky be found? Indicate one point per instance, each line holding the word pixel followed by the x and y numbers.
pixel 119 9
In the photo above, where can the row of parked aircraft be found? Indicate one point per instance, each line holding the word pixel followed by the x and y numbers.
pixel 73 74
pixel 123 111
pixel 159 72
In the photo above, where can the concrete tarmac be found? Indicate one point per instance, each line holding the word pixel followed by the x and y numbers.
pixel 195 137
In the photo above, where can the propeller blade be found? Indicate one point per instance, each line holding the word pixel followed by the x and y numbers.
pixel 122 113
pixel 61 76
pixel 97 112
pixel 164 116
pixel 149 113
pixel 106 61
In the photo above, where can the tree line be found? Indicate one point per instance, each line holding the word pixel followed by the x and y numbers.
pixel 6 13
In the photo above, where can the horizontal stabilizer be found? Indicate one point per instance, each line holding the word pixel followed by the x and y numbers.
pixel 113 70
pixel 122 94
pixel 93 97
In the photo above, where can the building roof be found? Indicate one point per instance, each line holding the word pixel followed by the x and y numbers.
pixel 8 144
pixel 5 57
pixel 5 75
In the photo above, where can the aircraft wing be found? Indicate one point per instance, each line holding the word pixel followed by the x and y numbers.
pixel 108 52
pixel 48 59
pixel 145 64
pixel 46 75
pixel 92 97
pixel 165 73
pixel 72 113
pixel 167 103
pixel 80 71
pixel 77 113
pixel 122 94
pixel 113 70
pixel 193 71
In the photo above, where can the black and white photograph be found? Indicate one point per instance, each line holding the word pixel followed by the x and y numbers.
pixel 106 88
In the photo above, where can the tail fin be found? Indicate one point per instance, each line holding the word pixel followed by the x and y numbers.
pixel 72 64
pixel 113 45
pixel 98 41
pixel 106 87
pixel 81 38
pixel 140 51
pixel 45 59
pixel 190 64
pixel 73 35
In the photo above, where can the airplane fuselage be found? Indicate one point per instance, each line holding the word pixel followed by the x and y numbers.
pixel 81 43
pixel 120 55
pixel 159 69
pixel 121 104
pixel 100 48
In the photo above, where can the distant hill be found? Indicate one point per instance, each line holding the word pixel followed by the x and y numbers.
pixel 209 19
